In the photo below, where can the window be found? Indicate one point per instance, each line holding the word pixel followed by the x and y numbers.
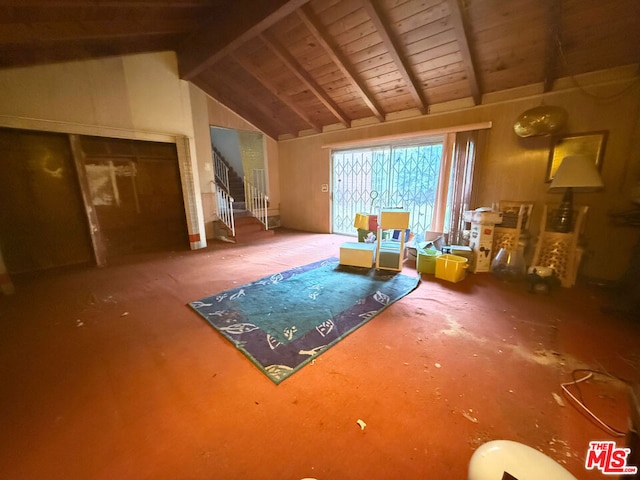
pixel 431 178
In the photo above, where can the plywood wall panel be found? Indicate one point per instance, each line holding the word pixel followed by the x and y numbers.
pixel 512 167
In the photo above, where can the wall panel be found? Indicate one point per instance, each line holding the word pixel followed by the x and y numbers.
pixel 512 168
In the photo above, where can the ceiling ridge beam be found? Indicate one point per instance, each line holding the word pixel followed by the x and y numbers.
pixel 221 36
pixel 461 29
pixel 286 99
pixel 554 13
pixel 293 65
pixel 319 32
pixel 393 47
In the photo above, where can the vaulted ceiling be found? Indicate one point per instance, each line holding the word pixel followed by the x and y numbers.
pixel 291 66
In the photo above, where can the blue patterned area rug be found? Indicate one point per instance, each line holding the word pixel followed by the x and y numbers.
pixel 283 321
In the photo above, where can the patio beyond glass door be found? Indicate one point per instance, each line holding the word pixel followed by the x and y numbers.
pixel 366 180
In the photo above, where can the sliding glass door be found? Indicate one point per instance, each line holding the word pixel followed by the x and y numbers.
pixel 368 179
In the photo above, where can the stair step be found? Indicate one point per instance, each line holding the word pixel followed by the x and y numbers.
pixel 248 229
pixel 253 236
pixel 246 218
pixel 247 224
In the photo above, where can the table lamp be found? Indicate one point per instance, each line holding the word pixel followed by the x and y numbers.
pixel 575 173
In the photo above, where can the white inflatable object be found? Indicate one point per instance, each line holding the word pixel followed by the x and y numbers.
pixel 492 459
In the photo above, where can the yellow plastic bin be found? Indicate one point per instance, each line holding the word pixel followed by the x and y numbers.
pixel 451 267
pixel 426 260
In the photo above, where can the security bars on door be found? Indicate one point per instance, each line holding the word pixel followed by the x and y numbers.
pixel 366 180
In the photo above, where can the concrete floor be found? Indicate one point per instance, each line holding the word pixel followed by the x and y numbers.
pixel 106 373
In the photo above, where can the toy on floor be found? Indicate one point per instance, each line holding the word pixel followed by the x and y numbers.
pixel 542 279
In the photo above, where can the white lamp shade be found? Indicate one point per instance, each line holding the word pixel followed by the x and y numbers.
pixel 578 172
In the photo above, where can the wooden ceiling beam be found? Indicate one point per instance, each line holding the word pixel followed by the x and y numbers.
pixel 174 4
pixel 256 103
pixel 268 84
pixel 554 13
pixel 251 115
pixel 42 33
pixel 459 23
pixel 319 32
pixel 240 21
pixel 393 47
pixel 293 65
pixel 83 50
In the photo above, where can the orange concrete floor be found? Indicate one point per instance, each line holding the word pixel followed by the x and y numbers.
pixel 108 374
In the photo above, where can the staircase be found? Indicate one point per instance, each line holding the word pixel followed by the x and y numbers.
pixel 247 227
pixel 226 177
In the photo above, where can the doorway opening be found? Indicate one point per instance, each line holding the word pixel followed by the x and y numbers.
pixel 432 177
pixel 368 179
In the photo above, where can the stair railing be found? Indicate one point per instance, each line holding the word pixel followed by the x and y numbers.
pixel 259 179
pixel 221 170
pixel 224 209
pixel 256 202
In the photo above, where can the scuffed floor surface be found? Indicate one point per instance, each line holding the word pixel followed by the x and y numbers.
pixel 107 374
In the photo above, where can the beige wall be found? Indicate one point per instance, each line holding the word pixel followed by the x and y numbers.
pixel 221 116
pixel 200 115
pixel 115 97
pixel 134 97
pixel 110 96
pixel 512 168
pixel 137 97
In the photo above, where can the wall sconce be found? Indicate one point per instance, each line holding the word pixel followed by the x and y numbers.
pixel 576 173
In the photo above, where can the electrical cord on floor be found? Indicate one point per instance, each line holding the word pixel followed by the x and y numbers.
pixel 579 400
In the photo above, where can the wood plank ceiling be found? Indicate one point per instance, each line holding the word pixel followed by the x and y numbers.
pixel 292 66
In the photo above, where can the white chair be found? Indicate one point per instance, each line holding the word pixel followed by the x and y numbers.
pixel 505 459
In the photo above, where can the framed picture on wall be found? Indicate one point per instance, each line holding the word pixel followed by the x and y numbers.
pixel 591 144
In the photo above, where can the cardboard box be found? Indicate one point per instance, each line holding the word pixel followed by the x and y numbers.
pixel 482 258
pixel 481 233
pixel 483 217
pixel 481 242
